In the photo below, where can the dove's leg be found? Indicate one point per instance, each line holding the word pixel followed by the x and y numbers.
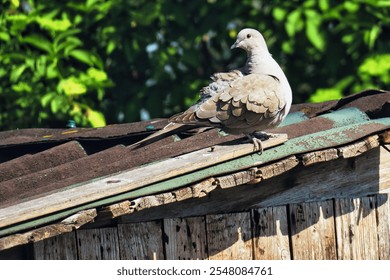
pixel 258 145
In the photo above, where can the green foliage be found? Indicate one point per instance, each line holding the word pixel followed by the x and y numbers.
pixel 103 61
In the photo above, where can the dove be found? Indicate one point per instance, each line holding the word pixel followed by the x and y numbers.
pixel 247 100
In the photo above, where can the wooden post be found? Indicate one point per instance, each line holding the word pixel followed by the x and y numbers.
pixel 356 229
pixel 229 236
pixel 185 238
pixel 61 247
pixel 141 241
pixel 270 228
pixel 312 230
pixel 383 224
pixel 98 244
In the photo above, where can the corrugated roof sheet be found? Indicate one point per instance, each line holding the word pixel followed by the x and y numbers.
pixel 36 163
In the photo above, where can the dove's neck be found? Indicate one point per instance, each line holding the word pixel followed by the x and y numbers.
pixel 261 62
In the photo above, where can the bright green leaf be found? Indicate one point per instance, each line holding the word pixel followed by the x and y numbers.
pixel 96 118
pixel 72 86
pixel 325 94
pixel 294 22
pixel 54 24
pixel 279 14
pixel 4 36
pixel 97 75
pixel 16 72
pixel 376 65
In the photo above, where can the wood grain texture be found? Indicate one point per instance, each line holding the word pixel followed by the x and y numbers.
pixel 334 179
pixel 141 241
pixel 98 244
pixel 67 225
pixel 185 238
pixel 229 236
pixel 61 247
pixel 270 230
pixel 356 229
pixel 312 231
pixel 383 224
pixel 319 156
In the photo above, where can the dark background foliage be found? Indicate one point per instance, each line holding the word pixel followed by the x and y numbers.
pixel 100 62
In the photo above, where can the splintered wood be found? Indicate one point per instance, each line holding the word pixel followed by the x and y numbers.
pixel 67 225
pixel 359 148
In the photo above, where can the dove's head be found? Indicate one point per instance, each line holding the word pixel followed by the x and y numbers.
pixel 249 39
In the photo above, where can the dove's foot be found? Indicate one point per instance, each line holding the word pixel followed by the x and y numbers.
pixel 257 144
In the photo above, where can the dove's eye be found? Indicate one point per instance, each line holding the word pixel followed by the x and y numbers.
pixel 248 36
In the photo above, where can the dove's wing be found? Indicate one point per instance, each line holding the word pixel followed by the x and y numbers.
pixel 249 103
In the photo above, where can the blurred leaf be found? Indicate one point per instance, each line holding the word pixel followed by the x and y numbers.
pixel 16 72
pixel 313 32
pixel 39 42
pixel 86 57
pixel 376 65
pixel 294 22
pixel 325 94
pixel 72 86
pixel 4 36
pixel 96 118
pixel 54 24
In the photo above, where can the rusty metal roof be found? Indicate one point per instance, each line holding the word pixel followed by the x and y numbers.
pixel 36 164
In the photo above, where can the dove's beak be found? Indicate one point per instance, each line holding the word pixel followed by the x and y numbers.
pixel 234 45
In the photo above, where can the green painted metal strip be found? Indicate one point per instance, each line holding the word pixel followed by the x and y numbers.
pixel 316 141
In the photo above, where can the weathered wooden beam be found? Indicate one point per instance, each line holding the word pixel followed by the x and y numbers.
pixel 360 147
pixel 67 225
pixel 319 156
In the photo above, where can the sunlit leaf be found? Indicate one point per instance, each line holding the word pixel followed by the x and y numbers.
pixel 96 118
pixel 72 86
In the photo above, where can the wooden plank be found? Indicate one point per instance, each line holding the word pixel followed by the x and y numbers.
pixel 61 247
pixel 127 181
pixel 277 168
pixel 98 244
pixel 185 238
pixel 383 225
pixel 229 236
pixel 141 241
pixel 319 156
pixel 312 231
pixel 270 230
pixel 67 225
pixel 356 229
pixel 335 179
pixel 359 147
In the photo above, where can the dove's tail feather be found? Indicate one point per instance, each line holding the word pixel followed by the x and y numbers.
pixel 169 129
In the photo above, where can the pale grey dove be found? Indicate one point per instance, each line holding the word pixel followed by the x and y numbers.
pixel 246 100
